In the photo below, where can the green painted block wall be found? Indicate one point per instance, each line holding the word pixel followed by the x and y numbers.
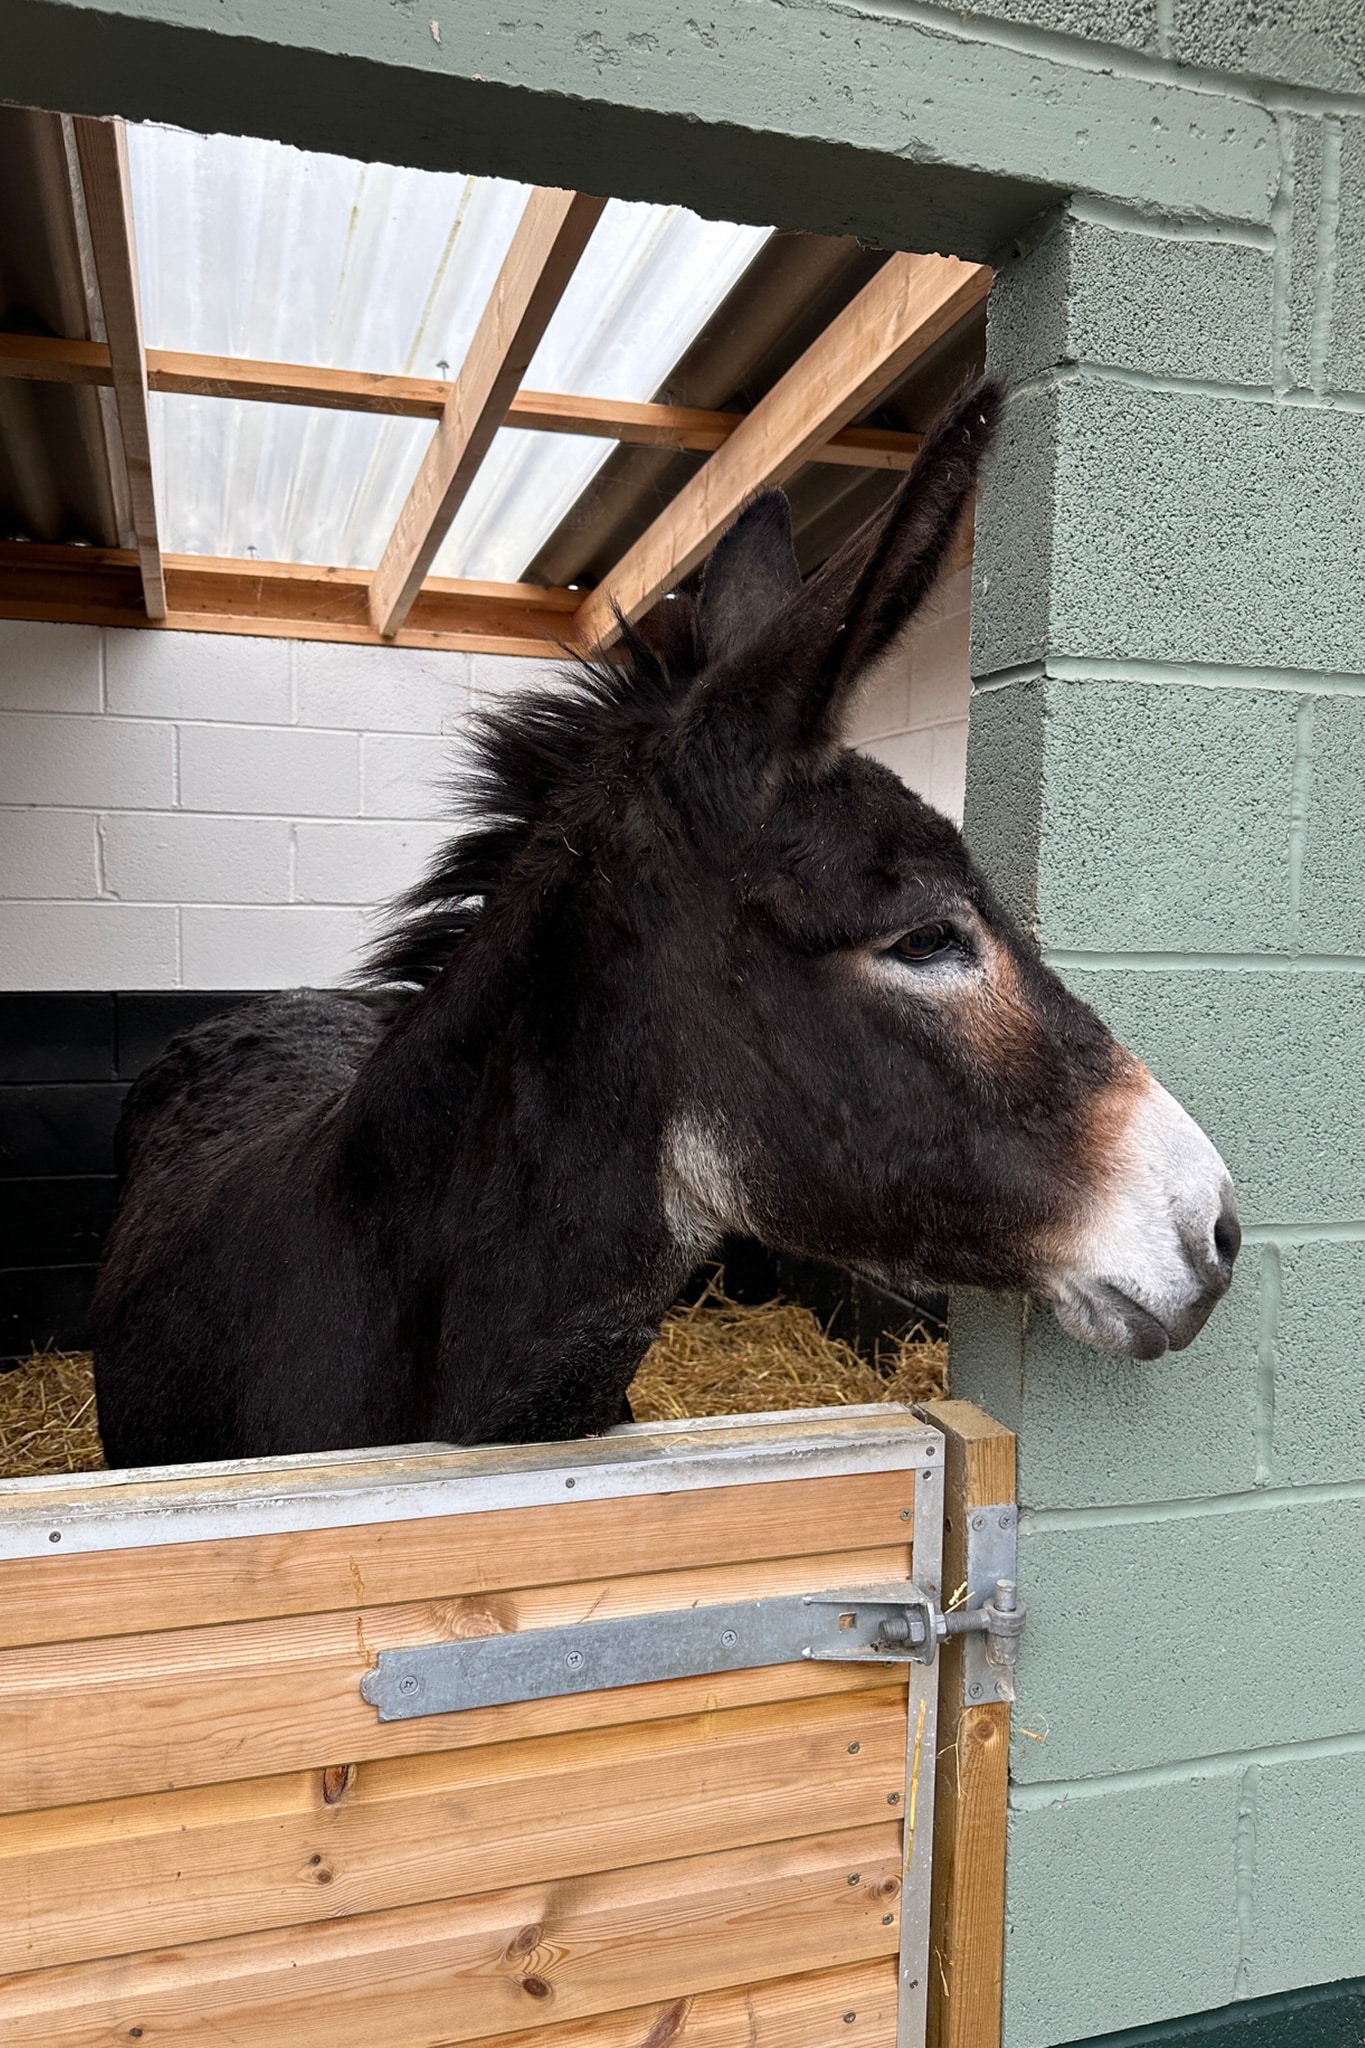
pixel 1166 768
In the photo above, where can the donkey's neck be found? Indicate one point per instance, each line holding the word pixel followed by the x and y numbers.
pixel 518 1195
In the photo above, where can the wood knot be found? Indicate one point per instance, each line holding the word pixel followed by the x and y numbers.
pixel 527 1939
pixel 337 1781
pixel 888 1888
pixel 668 2025
pixel 463 1622
pixel 536 1987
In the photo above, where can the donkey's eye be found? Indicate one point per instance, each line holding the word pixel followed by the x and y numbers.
pixel 926 942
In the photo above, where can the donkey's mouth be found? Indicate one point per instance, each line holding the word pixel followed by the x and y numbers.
pixel 1106 1318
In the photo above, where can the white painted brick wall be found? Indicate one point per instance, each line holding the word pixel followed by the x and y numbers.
pixel 203 811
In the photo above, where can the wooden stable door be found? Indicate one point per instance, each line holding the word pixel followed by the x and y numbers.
pixel 207 1833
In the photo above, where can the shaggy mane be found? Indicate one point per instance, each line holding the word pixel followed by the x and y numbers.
pixel 529 753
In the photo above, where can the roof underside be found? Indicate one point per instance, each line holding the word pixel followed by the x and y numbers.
pixel 251 249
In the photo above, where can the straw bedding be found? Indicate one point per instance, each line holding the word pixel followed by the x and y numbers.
pixel 714 1357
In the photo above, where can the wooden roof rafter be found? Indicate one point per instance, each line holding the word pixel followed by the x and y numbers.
pixel 907 306
pixel 102 152
pixel 550 237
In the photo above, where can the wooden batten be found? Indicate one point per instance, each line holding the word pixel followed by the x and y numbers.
pixel 277 600
pixel 43 359
pixel 102 149
pixel 971 1813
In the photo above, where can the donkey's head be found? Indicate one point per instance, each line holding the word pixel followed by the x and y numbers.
pixel 832 1036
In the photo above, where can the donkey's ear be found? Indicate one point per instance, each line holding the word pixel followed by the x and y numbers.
pixel 791 694
pixel 751 573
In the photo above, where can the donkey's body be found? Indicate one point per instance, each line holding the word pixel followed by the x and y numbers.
pixel 698 968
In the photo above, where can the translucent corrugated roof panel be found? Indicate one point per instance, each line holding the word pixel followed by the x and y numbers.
pixel 251 248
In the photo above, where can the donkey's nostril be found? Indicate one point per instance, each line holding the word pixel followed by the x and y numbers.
pixel 1227 1237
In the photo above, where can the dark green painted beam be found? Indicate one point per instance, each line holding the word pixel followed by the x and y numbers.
pixel 1320 2016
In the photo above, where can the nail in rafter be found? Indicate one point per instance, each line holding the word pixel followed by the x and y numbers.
pixel 909 304
pixel 102 150
pixel 552 234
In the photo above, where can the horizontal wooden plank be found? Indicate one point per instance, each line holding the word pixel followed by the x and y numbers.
pixel 124 1715
pixel 458 1971
pixel 155 1506
pixel 70 1598
pixel 44 359
pixel 100 1880
pixel 277 599
pixel 852 2007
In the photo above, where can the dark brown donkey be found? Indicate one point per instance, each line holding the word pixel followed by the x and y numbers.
pixel 693 967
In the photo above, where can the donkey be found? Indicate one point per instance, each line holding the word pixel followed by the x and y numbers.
pixel 692 967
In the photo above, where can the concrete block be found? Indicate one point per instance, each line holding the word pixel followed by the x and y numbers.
pixel 183 857
pixel 1166 818
pixel 1297 42
pixel 1197 528
pixel 1303 152
pixel 493 677
pixel 1096 1432
pixel 948 790
pixel 378 689
pixel 293 946
pixel 1308 1926
pixel 1129 22
pixel 45 853
pixel 941 670
pixel 909 755
pixel 86 761
pixel 49 668
pixel 1332 878
pixel 1028 309
pixel 274 770
pixel 1149 1639
pixel 1015 532
pixel 198 675
pixel 1120 1907
pixel 87 946
pixel 411 777
pixel 1346 356
pixel 1267 1061
pixel 1319 1430
pixel 883 703
pixel 363 863
pixel 1004 792
pixel 1171 307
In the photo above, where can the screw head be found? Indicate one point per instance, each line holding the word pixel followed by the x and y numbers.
pixel 974 1691
pixel 574 1660
pixel 571 1482
pixel 893 1798
pixel 978 1521
pixel 907 1514
pixel 888 1919
pixel 849 2018
pixel 55 1537
pixel 1006 1519
pixel 729 1637
pixel 854 1747
pixel 854 1878
pixel 409 1684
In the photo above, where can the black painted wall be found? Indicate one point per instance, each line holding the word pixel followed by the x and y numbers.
pixel 65 1064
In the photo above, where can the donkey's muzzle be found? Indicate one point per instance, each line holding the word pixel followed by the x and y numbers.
pixel 1157 1256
